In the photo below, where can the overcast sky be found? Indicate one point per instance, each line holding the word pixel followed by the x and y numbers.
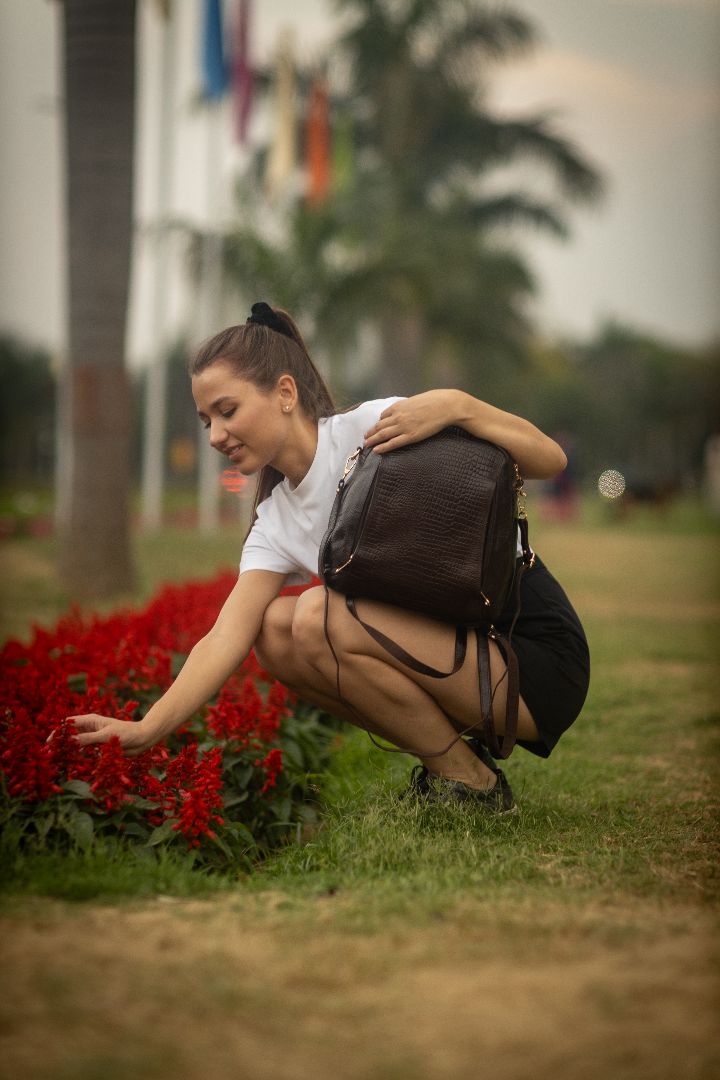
pixel 636 83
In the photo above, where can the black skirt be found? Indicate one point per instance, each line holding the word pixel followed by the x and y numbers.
pixel 553 656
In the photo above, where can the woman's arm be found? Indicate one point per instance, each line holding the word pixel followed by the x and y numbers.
pixel 210 663
pixel 416 418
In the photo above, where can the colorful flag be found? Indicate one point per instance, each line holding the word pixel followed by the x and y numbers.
pixel 281 158
pixel 317 143
pixel 215 78
pixel 242 76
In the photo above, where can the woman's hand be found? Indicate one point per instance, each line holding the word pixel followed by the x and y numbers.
pixel 412 420
pixel 91 730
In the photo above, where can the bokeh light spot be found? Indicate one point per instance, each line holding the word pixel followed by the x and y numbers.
pixel 611 483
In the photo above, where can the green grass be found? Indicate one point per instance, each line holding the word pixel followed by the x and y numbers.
pixel 105 872
pixel 625 807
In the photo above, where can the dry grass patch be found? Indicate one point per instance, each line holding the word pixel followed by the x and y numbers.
pixel 243 988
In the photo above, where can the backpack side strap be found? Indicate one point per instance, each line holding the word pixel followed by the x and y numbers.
pixel 498 749
pixel 404 657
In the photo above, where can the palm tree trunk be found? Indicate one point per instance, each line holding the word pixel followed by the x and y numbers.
pixel 99 40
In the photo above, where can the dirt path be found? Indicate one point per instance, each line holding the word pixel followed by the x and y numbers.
pixel 248 988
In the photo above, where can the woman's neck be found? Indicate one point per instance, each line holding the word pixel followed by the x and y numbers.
pixel 298 453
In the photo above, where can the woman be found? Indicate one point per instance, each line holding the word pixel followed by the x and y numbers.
pixel 269 411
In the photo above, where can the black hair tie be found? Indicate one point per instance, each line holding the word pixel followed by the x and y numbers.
pixel 263 315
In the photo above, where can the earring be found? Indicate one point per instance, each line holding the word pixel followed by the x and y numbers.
pixel 287 408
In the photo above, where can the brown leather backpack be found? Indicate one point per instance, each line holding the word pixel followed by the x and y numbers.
pixel 432 527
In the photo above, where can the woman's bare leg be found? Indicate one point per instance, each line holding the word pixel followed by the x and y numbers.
pixel 277 654
pixel 382 700
pixel 414 712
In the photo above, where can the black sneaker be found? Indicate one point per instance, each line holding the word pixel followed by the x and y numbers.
pixel 424 784
pixel 419 785
pixel 480 750
pixel 498 800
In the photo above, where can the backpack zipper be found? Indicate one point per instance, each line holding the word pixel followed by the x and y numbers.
pixel 361 523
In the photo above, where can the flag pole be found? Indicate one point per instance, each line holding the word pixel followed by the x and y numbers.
pixel 211 277
pixel 153 470
pixel 210 292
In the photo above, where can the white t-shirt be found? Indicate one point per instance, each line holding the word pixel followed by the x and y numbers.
pixel 291 522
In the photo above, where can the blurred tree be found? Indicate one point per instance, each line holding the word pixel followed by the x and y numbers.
pixel 631 401
pixel 94 450
pixel 412 241
pixel 654 405
pixel 27 412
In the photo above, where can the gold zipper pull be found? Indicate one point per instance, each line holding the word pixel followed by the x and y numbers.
pixel 349 466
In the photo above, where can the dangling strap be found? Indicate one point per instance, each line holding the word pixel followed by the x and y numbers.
pixel 498 749
pixel 400 654
pixel 404 657
pixel 487 694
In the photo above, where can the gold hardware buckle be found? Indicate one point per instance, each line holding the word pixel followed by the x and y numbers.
pixel 349 466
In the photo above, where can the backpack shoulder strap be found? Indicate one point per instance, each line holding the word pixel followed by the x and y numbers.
pixel 404 657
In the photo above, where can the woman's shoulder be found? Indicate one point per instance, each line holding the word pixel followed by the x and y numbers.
pixel 352 423
pixel 363 411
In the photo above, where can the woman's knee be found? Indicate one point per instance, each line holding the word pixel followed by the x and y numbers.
pixel 308 624
pixel 275 637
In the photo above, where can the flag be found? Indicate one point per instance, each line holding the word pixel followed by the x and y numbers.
pixel 213 61
pixel 242 76
pixel 281 158
pixel 317 143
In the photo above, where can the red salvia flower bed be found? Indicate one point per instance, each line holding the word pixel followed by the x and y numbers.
pixel 229 784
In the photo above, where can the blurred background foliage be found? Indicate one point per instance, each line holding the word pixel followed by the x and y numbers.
pixel 623 399
pixel 412 237
pixel 406 268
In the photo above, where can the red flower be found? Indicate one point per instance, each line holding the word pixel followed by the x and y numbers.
pixel 112 784
pixel 273 767
pixel 28 765
pixel 111 665
pixel 200 805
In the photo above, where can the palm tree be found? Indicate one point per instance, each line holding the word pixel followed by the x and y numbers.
pixel 416 243
pixel 418 71
pixel 99 65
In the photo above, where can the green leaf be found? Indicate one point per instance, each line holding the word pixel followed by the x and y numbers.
pixel 240 776
pixel 78 787
pixel 44 825
pixel 233 800
pixel 80 827
pixel 293 752
pixel 134 829
pixel 143 804
pixel 240 832
pixel 282 807
pixel 222 845
pixel 162 832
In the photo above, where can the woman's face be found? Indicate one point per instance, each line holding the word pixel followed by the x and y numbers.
pixel 245 423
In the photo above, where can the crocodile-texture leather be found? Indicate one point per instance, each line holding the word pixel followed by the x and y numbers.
pixel 430 527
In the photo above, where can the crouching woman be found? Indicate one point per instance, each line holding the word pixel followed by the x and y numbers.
pixel 267 409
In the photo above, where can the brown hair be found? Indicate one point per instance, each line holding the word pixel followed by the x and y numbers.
pixel 262 354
